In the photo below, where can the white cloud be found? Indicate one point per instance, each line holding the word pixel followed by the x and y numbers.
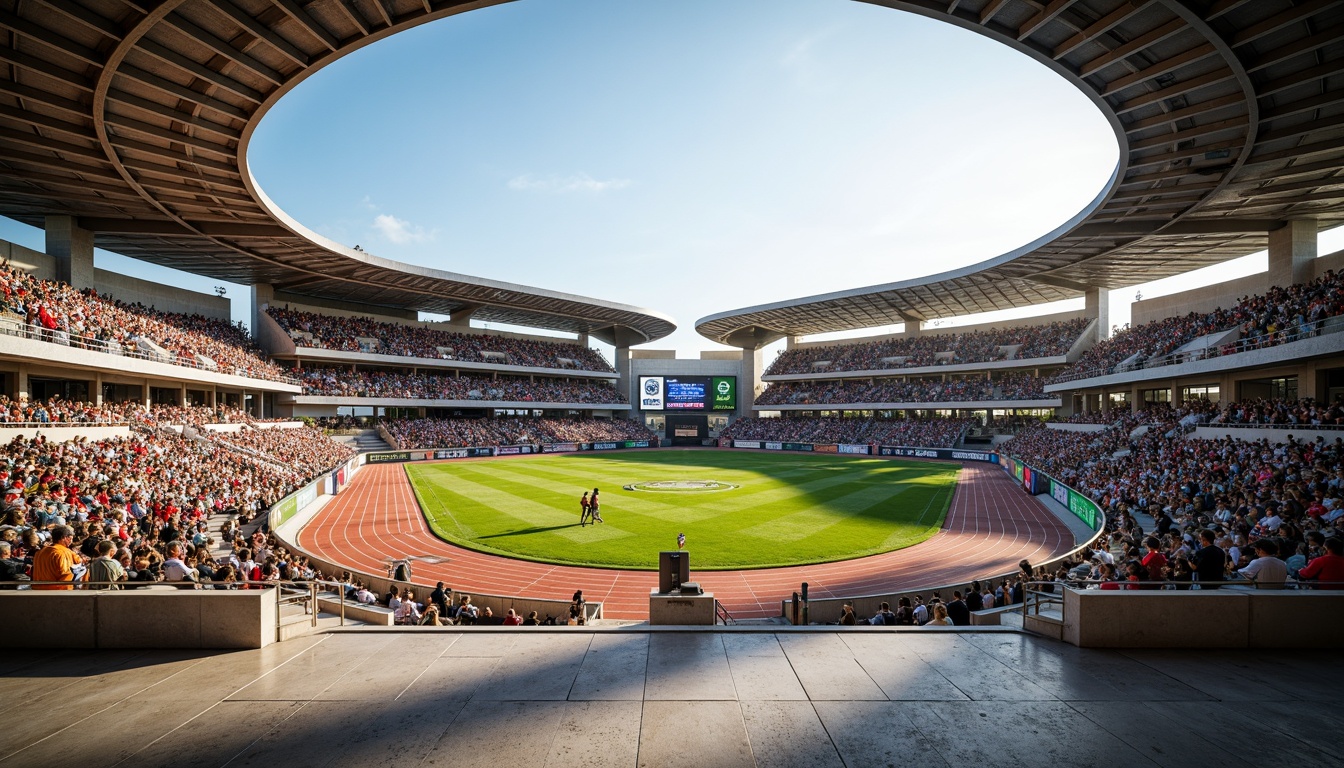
pixel 579 182
pixel 400 231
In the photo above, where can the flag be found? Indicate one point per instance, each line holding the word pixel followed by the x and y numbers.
pixel 681 541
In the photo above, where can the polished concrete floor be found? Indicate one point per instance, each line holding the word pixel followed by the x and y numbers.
pixel 704 699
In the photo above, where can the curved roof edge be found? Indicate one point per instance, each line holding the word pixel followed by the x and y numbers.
pixel 1228 124
pixel 135 120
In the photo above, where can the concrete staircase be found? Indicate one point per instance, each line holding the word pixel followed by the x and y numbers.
pixel 367 440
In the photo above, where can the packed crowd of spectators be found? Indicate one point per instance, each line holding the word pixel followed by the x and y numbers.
pixel 344 334
pixel 1282 413
pixel 1227 494
pixel 305 448
pixel 1030 341
pixel 424 386
pixel 457 433
pixel 1280 315
pixel 923 433
pixel 84 319
pixel 138 503
pixel 57 410
pixel 1010 386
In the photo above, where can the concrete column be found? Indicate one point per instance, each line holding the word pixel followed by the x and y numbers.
pixel 749 380
pixel 144 395
pixel 21 385
pixel 182 396
pixel 1097 304
pixel 1292 248
pixel 792 341
pixel 263 295
pixel 913 328
pixel 72 248
pixel 1307 380
pixel 624 385
pixel 98 388
pixel 462 317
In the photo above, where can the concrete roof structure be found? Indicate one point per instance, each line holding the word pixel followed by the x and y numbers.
pixel 135 117
pixel 1229 116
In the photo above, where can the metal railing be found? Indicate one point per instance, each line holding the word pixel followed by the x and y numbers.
pixel 22 329
pixel 1262 341
pixel 721 614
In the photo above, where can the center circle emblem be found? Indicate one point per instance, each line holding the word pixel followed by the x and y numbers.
pixel 681 486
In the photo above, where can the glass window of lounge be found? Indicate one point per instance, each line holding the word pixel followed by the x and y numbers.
pixel 1156 395
pixel 1208 392
pixel 1284 388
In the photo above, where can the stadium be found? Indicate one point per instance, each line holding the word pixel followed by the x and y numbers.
pixel 313 537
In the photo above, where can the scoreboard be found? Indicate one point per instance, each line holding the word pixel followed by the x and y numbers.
pixel 687 393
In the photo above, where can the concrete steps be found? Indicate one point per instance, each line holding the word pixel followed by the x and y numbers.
pixel 368 440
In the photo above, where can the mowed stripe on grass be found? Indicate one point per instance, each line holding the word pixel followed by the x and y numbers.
pixel 786 510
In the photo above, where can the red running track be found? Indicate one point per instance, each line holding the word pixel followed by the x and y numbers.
pixel 991 526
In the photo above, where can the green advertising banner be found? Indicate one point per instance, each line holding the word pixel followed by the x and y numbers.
pixel 723 393
pixel 283 511
pixel 1083 507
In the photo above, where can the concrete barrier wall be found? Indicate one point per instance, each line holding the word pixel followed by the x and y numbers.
pixel 140 618
pixel 1224 618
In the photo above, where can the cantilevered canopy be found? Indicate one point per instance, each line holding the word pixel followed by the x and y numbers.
pixel 133 116
pixel 1230 120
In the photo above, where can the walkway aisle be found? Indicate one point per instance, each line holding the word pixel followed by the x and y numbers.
pixel 667 699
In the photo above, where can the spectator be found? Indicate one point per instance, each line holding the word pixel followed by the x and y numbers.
pixel 57 561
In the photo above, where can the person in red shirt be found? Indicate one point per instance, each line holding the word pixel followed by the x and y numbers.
pixel 1155 563
pixel 1328 569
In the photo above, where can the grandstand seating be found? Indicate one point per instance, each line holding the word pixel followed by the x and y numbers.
pixel 1278 316
pixel 1288 492
pixel 56 312
pixel 980 346
pixel 426 386
pixel 924 433
pixel 455 433
pixel 153 489
pixel 364 334
pixel 1011 386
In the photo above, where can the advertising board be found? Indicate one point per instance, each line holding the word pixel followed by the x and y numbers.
pixel 825 448
pixel 796 446
pixel 950 454
pixel 746 443
pixel 560 448
pixel 773 446
pixel 723 389
pixel 606 446
pixel 651 393
pixel 388 457
pixel 636 443
pixel 855 449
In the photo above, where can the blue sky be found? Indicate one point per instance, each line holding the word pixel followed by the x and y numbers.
pixel 689 157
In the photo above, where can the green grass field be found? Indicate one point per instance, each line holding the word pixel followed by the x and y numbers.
pixel 786 509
